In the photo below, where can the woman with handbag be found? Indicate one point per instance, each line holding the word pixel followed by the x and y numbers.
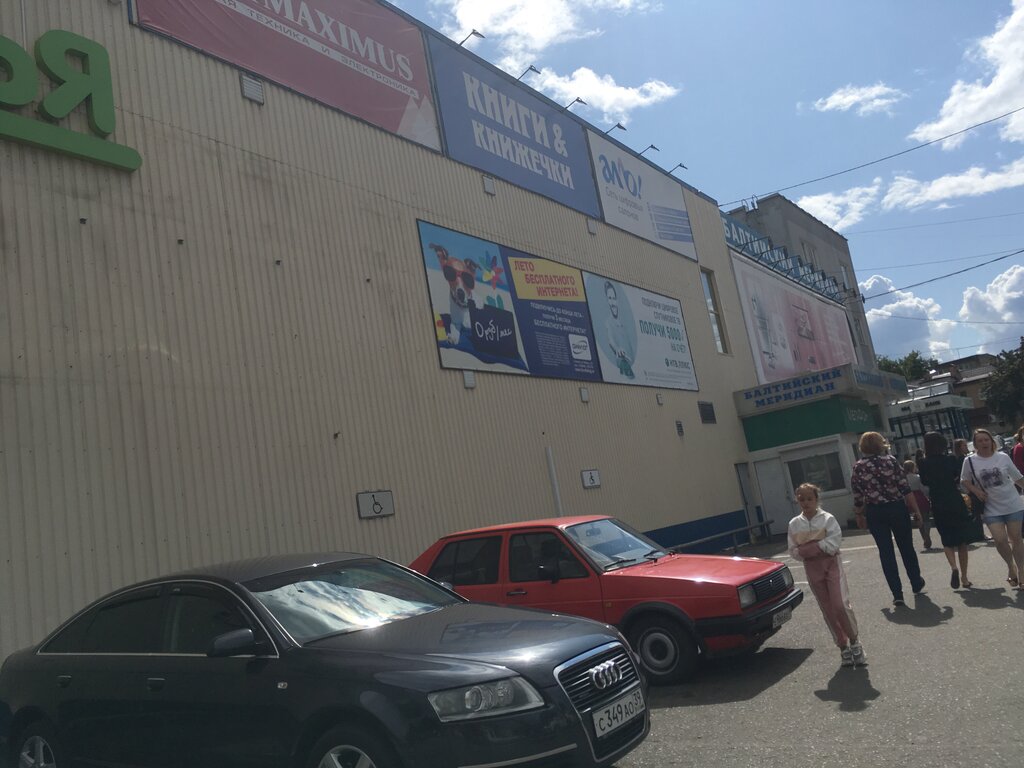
pixel 956 525
pixel 990 475
pixel 881 496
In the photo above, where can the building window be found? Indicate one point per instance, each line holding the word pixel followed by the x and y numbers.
pixel 824 471
pixel 707 279
pixel 707 412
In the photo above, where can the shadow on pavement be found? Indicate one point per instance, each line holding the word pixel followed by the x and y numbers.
pixel 736 678
pixel 851 688
pixel 997 597
pixel 924 613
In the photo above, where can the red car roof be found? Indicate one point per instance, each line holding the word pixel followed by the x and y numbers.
pixel 555 522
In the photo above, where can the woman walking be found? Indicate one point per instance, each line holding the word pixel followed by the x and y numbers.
pixel 920 491
pixel 991 476
pixel 882 495
pixel 956 525
pixel 1017 454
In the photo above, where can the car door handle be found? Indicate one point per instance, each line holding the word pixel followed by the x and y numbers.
pixel 63 681
pixel 516 593
pixel 155 683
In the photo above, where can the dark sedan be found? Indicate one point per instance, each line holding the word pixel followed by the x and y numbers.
pixel 318 661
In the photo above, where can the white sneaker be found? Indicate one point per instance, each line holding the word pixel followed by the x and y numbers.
pixel 846 655
pixel 858 656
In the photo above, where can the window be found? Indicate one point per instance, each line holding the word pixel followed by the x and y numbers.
pixel 707 280
pixel 468 561
pixel 131 623
pixel 198 615
pixel 824 471
pixel 707 412
pixel 528 551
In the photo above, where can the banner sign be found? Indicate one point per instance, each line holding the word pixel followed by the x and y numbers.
pixel 500 127
pixel 498 309
pixel 640 335
pixel 640 199
pixel 790 329
pixel 353 55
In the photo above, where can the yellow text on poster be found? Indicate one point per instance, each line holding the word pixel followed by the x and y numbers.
pixel 546 280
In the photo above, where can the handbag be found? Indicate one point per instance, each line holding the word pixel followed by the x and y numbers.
pixel 977 504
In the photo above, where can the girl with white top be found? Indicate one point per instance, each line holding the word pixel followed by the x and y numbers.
pixel 814 539
pixel 991 476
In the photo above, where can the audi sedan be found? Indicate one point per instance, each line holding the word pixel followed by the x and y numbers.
pixel 318 661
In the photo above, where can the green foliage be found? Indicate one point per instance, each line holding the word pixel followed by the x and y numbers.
pixel 1004 392
pixel 913 366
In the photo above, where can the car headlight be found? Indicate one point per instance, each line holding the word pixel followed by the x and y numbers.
pixel 747 595
pixel 787 576
pixel 485 699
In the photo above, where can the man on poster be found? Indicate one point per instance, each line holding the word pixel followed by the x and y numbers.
pixel 618 339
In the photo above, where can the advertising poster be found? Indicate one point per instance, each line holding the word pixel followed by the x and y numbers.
pixel 790 329
pixel 499 127
pixel 640 336
pixel 640 199
pixel 551 306
pixel 474 315
pixel 353 55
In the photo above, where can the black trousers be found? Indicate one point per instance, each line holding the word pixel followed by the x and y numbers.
pixel 888 522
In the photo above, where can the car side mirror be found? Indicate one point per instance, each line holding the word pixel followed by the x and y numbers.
pixel 238 642
pixel 548 572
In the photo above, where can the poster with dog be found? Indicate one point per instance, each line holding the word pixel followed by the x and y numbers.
pixel 474 314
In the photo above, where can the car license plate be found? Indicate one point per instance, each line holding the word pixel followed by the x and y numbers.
pixel 782 617
pixel 618 713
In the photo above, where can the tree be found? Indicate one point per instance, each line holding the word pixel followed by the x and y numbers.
pixel 912 366
pixel 1004 392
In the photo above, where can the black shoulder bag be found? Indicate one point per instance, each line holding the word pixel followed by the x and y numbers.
pixel 977 505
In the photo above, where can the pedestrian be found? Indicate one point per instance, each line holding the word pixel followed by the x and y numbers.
pixel 960 449
pixel 957 527
pixel 1018 450
pixel 881 495
pixel 920 491
pixel 991 476
pixel 814 538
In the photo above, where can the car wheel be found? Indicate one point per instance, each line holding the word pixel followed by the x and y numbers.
pixel 38 748
pixel 345 747
pixel 667 652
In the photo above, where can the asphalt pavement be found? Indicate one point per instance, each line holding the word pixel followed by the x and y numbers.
pixel 944 685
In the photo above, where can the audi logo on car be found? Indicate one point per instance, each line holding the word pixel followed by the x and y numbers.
pixel 605 674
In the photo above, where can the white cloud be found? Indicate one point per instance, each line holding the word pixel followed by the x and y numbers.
pixel 896 336
pixel 1002 300
pixel 867 99
pixel 1002 54
pixel 841 209
pixel 906 192
pixel 522 30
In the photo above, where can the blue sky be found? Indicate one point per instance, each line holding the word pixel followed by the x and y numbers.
pixel 753 97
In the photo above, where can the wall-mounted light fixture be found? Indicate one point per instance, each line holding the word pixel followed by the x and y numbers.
pixel 472 33
pixel 679 165
pixel 577 100
pixel 530 68
pixel 650 146
pixel 617 125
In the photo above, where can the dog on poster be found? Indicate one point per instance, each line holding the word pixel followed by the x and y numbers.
pixel 460 275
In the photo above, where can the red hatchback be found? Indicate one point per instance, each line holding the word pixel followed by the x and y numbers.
pixel 672 608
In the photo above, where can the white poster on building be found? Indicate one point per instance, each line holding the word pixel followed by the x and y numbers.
pixel 641 199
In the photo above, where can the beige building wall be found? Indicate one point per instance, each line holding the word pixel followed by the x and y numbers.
pixel 209 358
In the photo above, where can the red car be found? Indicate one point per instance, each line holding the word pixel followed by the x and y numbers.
pixel 672 608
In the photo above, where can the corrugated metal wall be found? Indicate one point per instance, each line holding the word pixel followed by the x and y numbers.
pixel 207 359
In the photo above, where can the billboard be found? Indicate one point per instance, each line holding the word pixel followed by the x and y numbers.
pixel 353 55
pixel 498 309
pixel 640 336
pixel 640 199
pixel 790 329
pixel 500 127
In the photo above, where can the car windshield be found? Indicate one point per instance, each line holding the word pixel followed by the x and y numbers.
pixel 337 598
pixel 612 544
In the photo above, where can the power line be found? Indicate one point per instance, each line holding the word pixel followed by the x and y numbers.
pixel 933 224
pixel 943 277
pixel 934 261
pixel 943 320
pixel 881 159
pixel 986 343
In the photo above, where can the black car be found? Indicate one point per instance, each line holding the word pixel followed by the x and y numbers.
pixel 318 661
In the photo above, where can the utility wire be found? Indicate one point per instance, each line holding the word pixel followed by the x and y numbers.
pixel 943 277
pixel 881 159
pixel 933 224
pixel 943 320
pixel 888 267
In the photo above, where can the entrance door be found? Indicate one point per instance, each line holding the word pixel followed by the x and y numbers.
pixel 776 495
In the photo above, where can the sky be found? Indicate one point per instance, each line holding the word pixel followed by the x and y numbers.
pixel 755 97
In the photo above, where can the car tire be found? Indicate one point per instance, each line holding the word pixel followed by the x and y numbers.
pixel 348 747
pixel 38 747
pixel 668 653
